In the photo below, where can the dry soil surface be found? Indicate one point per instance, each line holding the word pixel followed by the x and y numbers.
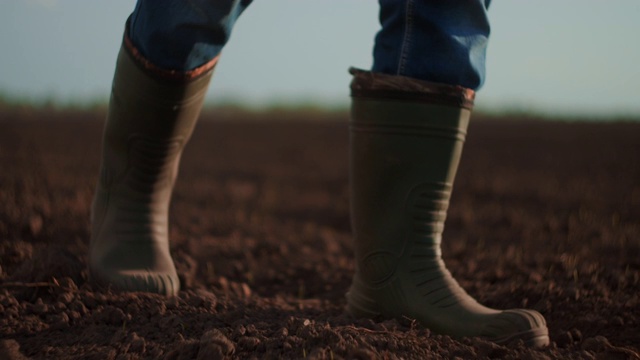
pixel 544 215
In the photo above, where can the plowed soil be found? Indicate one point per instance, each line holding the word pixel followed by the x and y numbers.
pixel 544 215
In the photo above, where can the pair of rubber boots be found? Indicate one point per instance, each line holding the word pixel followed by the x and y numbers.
pixel 406 141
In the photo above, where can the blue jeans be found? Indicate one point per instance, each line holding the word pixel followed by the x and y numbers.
pixel 433 40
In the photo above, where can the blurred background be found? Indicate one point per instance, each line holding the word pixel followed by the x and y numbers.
pixel 570 58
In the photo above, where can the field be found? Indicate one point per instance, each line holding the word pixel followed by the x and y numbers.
pixel 544 215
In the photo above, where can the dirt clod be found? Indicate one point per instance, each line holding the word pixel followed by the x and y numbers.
pixel 10 350
pixel 215 345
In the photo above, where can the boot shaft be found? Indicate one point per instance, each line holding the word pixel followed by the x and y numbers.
pixel 406 142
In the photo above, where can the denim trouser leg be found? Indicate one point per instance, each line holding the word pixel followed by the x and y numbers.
pixel 434 40
pixel 183 35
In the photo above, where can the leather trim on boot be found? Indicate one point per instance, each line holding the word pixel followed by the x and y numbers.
pixel 172 75
pixel 367 84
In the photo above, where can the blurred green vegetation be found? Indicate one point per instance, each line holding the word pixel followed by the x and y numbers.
pixel 13 103
pixel 229 109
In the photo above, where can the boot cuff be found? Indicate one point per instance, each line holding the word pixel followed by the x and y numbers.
pixel 166 74
pixel 367 84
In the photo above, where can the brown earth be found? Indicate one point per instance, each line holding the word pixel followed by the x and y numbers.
pixel 544 215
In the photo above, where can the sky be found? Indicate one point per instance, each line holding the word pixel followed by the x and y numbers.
pixel 555 57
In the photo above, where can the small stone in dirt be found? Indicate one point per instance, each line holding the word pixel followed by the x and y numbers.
pixel 596 344
pixel 58 321
pixel 286 346
pixel 587 355
pixel 74 315
pixel 209 299
pixel 65 297
pixel 111 315
pixel 68 283
pixel 158 309
pixel 564 339
pixel 244 291
pixel 138 344
pixel 187 268
pixel 239 330
pixel 10 350
pixel 282 333
pixel 248 343
pixel 251 329
pixel 79 307
pixel 9 300
pixel 35 224
pixel 38 308
pixel 223 284
pixel 59 306
pixel 215 345
pixel 576 335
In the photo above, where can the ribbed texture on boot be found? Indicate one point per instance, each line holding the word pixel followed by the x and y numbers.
pixel 404 156
pixel 132 241
pixel 141 212
pixel 149 122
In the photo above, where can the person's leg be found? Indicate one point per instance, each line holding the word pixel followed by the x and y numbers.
pixel 183 35
pixel 162 74
pixel 406 139
pixel 439 41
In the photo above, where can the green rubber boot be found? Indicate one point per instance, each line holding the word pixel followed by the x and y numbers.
pixel 406 141
pixel 151 116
